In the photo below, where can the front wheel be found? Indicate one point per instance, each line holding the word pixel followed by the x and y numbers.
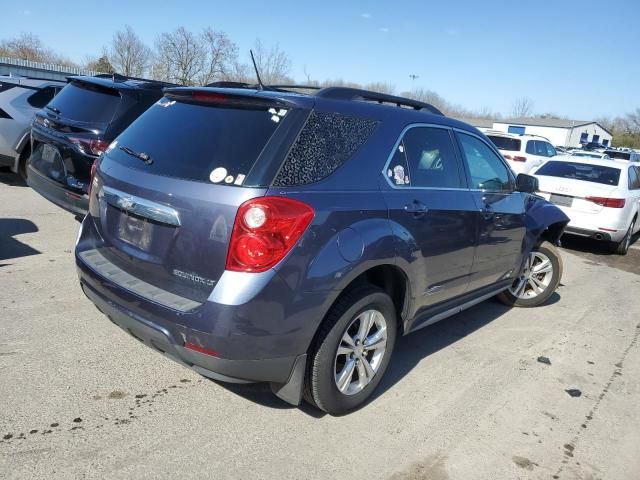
pixel 352 351
pixel 539 279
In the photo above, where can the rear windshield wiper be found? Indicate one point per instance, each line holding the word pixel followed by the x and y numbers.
pixel 141 156
pixel 53 109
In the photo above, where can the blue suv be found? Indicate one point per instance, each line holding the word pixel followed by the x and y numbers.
pixel 264 235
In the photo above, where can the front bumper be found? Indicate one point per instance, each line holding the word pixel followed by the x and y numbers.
pixel 78 204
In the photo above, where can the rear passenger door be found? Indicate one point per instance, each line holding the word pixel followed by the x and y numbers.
pixel 500 212
pixel 432 213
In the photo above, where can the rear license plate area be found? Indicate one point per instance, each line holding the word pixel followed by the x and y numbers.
pixel 561 200
pixel 135 231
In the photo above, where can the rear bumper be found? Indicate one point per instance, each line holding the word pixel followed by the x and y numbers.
pixel 588 233
pixel 170 343
pixel 78 204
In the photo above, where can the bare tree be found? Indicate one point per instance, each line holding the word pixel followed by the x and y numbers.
pixel 381 87
pixel 28 46
pixel 99 63
pixel 128 54
pixel 428 96
pixel 220 56
pixel 273 64
pixel 522 107
pixel 182 55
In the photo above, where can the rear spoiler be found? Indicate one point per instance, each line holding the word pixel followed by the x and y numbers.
pixel 239 98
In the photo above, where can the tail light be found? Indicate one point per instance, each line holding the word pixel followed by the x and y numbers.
pixel 89 145
pixel 515 158
pixel 607 202
pixel 265 230
pixel 94 167
pixel 200 349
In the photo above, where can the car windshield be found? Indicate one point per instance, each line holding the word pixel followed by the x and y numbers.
pixel 581 171
pixel 83 102
pixel 506 143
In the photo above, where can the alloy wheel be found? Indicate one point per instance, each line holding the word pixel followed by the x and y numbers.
pixel 361 351
pixel 536 277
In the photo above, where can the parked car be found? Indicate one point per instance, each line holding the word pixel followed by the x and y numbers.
pixel 269 236
pixel 601 197
pixel 76 127
pixel 589 146
pixel 628 154
pixel 523 153
pixel 587 154
pixel 20 99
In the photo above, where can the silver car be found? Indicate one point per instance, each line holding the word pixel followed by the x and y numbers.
pixel 20 98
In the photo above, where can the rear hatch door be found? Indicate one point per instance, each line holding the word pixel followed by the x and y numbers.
pixel 69 132
pixel 168 189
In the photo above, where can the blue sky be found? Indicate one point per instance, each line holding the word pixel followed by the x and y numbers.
pixel 574 58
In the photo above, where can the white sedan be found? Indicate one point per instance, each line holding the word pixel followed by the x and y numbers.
pixel 600 197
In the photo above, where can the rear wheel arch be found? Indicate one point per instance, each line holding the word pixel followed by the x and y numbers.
pixel 389 278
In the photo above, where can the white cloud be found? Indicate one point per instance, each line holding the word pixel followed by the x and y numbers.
pixel 365 15
pixel 384 30
pixel 27 12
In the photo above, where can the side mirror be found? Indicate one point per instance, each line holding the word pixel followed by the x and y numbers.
pixel 526 183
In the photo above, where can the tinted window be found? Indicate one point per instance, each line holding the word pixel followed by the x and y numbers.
pixel 581 171
pixel 531 147
pixel 425 158
pixel 190 141
pixel 324 144
pixel 40 98
pixel 506 143
pixel 487 171
pixel 550 151
pixel 86 103
pixel 634 180
pixel 616 154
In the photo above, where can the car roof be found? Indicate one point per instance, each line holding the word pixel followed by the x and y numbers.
pixel 603 162
pixel 339 99
pixel 31 82
pixel 524 136
pixel 122 83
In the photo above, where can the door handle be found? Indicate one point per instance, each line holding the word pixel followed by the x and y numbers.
pixel 416 207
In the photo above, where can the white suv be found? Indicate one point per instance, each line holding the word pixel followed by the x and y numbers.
pixel 523 153
pixel 20 99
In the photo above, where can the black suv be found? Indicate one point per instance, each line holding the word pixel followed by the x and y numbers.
pixel 76 127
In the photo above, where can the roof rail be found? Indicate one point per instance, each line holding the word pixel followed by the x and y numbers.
pixel 346 93
pixel 116 77
pixel 26 77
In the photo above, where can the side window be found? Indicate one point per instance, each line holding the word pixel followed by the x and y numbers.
pixel 430 160
pixel 40 98
pixel 634 181
pixel 398 171
pixel 551 151
pixel 531 147
pixel 487 171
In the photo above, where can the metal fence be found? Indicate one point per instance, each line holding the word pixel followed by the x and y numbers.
pixel 48 67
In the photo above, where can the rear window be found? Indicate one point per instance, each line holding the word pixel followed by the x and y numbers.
pixel 505 143
pixel 620 155
pixel 86 103
pixel 191 141
pixel 581 171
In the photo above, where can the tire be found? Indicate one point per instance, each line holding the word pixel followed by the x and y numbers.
pixel 532 290
pixel 622 248
pixel 25 155
pixel 345 319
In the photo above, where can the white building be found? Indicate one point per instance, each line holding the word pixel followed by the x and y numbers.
pixel 564 133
